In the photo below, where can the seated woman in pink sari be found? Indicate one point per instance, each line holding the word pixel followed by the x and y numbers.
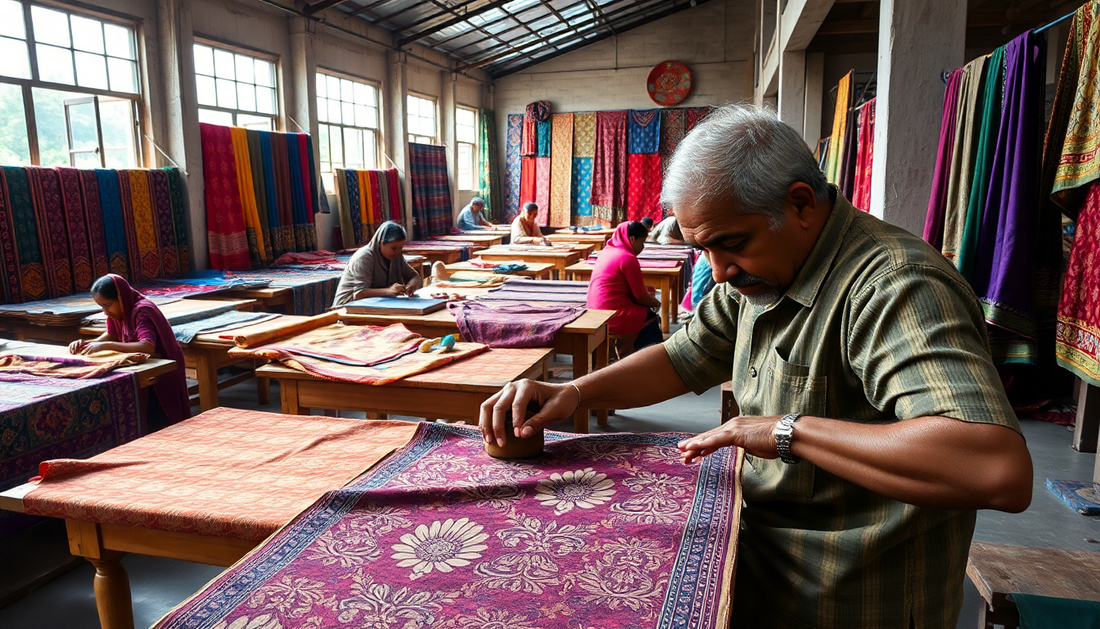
pixel 617 285
pixel 136 325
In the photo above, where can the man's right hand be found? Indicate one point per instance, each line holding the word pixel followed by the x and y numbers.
pixel 555 401
pixel 397 290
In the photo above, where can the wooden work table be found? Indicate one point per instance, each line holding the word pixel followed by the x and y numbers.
pixel 147 372
pixel 537 270
pixel 560 258
pixel 596 240
pixel 667 280
pixel 484 240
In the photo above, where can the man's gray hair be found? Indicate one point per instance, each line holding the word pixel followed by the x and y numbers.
pixel 743 155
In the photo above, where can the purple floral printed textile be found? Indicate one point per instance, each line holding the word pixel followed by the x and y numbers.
pixel 608 531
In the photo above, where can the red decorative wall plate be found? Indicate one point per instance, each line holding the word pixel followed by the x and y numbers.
pixel 669 83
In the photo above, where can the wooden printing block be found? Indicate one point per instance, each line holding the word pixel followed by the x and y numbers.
pixel 517 447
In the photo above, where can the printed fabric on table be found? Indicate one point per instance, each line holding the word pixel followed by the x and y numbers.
pixel 609 531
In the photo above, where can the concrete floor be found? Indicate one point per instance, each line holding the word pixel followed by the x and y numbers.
pixel 159 584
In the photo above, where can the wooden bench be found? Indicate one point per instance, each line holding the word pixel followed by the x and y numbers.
pixel 998 570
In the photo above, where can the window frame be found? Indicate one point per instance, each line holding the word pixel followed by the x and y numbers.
pixel 237 49
pixel 410 136
pixel 379 138
pixel 474 174
pixel 26 86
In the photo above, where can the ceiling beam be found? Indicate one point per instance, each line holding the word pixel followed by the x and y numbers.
pixel 368 7
pixel 847 27
pixel 315 7
pixel 405 41
pixel 447 10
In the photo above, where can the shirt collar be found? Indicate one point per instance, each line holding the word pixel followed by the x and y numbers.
pixel 816 268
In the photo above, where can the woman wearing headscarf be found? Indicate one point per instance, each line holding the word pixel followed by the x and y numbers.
pixel 378 269
pixel 525 227
pixel 617 285
pixel 470 217
pixel 136 326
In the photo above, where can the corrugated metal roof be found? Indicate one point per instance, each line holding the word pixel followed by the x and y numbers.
pixel 506 36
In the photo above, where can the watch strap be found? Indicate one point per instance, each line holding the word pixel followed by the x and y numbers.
pixel 784 435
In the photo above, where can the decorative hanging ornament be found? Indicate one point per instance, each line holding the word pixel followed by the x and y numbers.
pixel 669 83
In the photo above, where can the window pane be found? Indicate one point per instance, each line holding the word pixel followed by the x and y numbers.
pixel 347 91
pixel 321 91
pixel 55 64
pixel 465 171
pixel 334 111
pixel 224 64
pixel 337 147
pixel 265 100
pixel 116 118
pixel 91 70
pixel 123 75
pixel 227 93
pixel 322 109
pixel 120 42
pixel 347 113
pixel 245 69
pixel 50 27
pixel 262 123
pixel 87 34
pixel 49 114
pixel 464 117
pixel 82 130
pixel 333 86
pixel 362 116
pixel 372 116
pixel 11 20
pixel 206 92
pixel 361 91
pixel 427 109
pixel 370 149
pixel 17 61
pixel 323 147
pixel 353 148
pixel 216 117
pixel 204 60
pixel 14 148
pixel 265 73
pixel 246 97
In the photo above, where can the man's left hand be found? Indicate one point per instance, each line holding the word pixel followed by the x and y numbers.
pixel 756 435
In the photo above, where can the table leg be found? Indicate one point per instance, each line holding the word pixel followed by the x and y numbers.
pixel 206 372
pixel 263 390
pixel 665 297
pixel 603 353
pixel 675 290
pixel 288 390
pixel 1087 427
pixel 581 359
pixel 112 592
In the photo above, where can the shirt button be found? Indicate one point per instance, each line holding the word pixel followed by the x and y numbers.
pixel 752 371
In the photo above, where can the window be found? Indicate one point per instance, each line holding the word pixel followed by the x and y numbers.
pixel 82 84
pixel 235 89
pixel 466 135
pixel 347 112
pixel 421 119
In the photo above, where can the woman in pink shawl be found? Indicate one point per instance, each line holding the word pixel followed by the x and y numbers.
pixel 136 325
pixel 617 285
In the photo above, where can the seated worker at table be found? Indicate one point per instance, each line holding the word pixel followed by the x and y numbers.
pixel 136 325
pixel 525 228
pixel 379 269
pixel 617 284
pixel 470 217
pixel 874 420
pixel 667 232
pixel 648 223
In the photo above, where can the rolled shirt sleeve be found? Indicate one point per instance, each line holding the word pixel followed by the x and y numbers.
pixel 702 350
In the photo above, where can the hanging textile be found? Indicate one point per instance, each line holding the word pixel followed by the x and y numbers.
pixel 365 203
pixel 348 238
pixel 937 200
pixel 284 190
pixel 355 200
pixel 535 113
pixel 304 235
pixel 126 198
pixel 542 189
pixel 305 149
pixel 848 161
pixel 75 228
pixel 488 185
pixel 93 216
pixel 582 191
pixel 544 130
pixel 1078 332
pixel 644 131
pixel 11 236
pixel 528 181
pixel 861 188
pixel 431 191
pixel 253 231
pixel 584 135
pixel 45 189
pixel 144 225
pixel 644 190
pixel 165 222
pixel 834 166
pixel 694 116
pixel 821 155
pixel 114 231
pixel 259 187
pixel 395 196
pixel 561 171
pixel 673 130
pixel 512 168
pixel 282 238
pixel 992 98
pixel 963 154
pixel 609 167
pixel 1075 120
pixel 224 216
pixel 1006 263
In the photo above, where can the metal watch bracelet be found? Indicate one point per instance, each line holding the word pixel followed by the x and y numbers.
pixel 784 435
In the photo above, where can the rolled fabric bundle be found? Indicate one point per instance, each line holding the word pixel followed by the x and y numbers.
pixel 289 329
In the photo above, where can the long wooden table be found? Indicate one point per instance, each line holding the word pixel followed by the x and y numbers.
pixel 606 231
pixel 147 372
pixel 559 258
pixel 455 391
pixel 447 255
pixel 483 240
pixel 585 339
pixel 596 240
pixel 667 280
pixel 537 270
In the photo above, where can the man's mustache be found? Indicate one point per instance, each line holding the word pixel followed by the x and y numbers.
pixel 745 279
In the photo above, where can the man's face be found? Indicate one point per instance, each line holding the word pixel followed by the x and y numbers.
pixel 744 250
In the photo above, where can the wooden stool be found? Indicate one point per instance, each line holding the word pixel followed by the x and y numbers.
pixel 728 404
pixel 613 341
pixel 998 570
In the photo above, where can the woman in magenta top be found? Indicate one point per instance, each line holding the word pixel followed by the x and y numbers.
pixel 136 325
pixel 617 285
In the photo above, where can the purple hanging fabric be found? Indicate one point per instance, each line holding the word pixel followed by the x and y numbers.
pixel 937 201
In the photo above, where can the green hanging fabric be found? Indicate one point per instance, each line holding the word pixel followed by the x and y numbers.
pixel 488 184
pixel 992 105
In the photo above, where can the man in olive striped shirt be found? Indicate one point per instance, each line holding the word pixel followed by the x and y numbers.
pixel 874 420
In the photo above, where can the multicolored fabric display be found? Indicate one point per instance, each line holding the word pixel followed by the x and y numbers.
pixel 834 165
pixel 608 531
pixel 673 130
pixel 644 189
pixel 431 191
pixel 694 116
pixel 535 113
pixel 937 201
pixel 225 224
pixel 544 130
pixel 609 167
pixel 582 190
pixel 644 130
pixel 542 189
pixel 362 204
pixel 488 184
pixel 561 170
pixel 512 166
pixel 861 189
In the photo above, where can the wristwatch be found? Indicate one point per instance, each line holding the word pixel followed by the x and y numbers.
pixel 784 435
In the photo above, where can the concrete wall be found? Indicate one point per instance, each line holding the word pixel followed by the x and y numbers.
pixel 168 29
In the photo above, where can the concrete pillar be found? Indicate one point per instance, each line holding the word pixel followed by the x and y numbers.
pixel 792 89
pixel 917 42
pixel 302 111
pixel 815 87
pixel 448 83
pixel 181 141
pixel 396 123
